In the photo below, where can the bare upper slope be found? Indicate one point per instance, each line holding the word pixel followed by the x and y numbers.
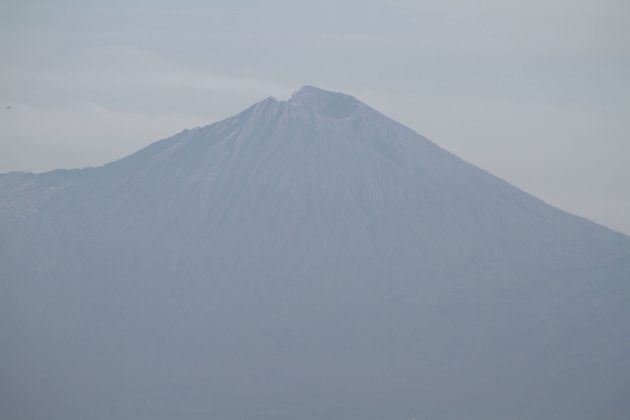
pixel 306 259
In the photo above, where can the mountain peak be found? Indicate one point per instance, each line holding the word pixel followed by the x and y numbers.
pixel 324 102
pixel 311 90
pixel 273 247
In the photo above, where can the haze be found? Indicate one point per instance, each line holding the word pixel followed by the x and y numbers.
pixel 535 92
pixel 305 259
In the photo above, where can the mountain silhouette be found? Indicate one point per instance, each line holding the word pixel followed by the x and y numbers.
pixel 305 259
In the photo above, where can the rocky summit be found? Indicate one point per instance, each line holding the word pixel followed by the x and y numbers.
pixel 305 259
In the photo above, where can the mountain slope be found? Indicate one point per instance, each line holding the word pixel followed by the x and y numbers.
pixel 305 259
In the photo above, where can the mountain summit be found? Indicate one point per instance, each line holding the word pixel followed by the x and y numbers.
pixel 322 102
pixel 306 259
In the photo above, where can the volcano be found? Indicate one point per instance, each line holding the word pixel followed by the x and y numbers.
pixel 305 259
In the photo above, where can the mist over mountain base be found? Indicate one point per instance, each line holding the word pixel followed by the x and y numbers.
pixel 307 259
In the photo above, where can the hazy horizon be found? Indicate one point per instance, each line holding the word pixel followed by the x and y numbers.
pixel 306 259
pixel 534 92
pixel 431 221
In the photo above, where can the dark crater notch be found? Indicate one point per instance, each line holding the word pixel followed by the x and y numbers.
pixel 325 103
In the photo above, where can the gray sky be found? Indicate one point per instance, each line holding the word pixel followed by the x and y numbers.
pixel 536 92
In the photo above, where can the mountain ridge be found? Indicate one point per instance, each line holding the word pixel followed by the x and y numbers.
pixel 308 258
pixel 313 96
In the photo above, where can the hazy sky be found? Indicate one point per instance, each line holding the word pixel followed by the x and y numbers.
pixel 537 91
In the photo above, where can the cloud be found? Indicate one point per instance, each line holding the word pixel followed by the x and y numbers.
pixel 535 26
pixel 40 139
pixel 123 67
